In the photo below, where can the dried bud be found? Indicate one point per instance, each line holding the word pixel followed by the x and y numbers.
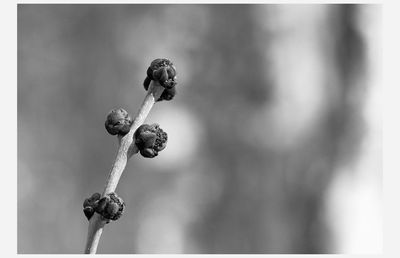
pixel 150 139
pixel 89 211
pixel 146 83
pixel 167 94
pixel 163 71
pixel 110 206
pixel 95 197
pixel 118 122
pixel 90 204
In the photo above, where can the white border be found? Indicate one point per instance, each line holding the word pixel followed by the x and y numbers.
pixel 391 126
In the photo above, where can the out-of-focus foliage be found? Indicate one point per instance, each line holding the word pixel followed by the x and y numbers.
pixel 268 107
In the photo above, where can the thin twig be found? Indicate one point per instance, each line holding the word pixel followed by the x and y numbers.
pixel 126 149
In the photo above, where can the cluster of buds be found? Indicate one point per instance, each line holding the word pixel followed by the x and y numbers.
pixel 164 72
pixel 150 139
pixel 110 207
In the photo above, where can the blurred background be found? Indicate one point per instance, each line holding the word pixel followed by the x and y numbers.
pixel 274 137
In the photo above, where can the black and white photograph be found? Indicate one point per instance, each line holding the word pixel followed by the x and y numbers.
pixel 199 128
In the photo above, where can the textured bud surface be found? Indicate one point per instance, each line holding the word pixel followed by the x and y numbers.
pixel 118 122
pixel 163 71
pixel 150 139
pixel 110 206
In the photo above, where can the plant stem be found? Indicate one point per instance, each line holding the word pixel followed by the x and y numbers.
pixel 126 149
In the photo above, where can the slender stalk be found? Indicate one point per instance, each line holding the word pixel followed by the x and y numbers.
pixel 126 149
